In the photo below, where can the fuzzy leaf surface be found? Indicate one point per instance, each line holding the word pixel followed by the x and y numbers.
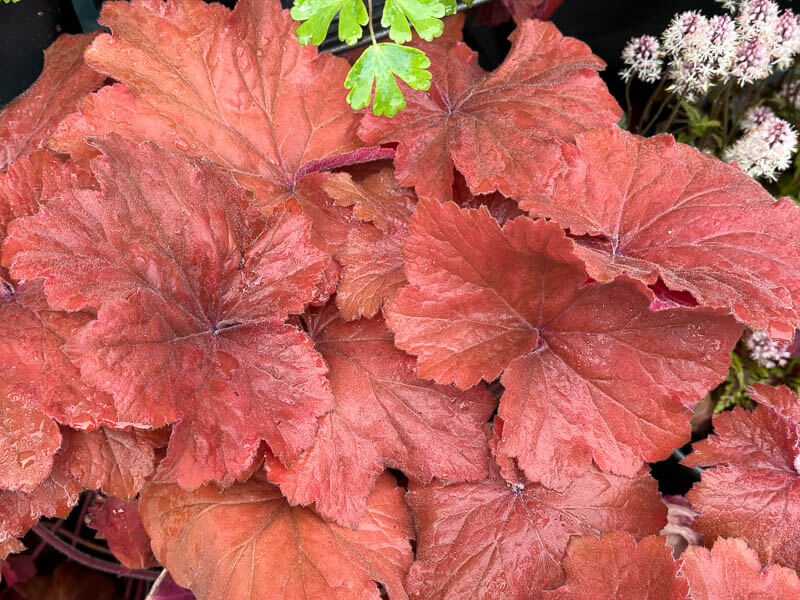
pixel 193 287
pixel 118 522
pixel 248 543
pixel 500 129
pixel 615 567
pixel 235 87
pixel 655 208
pixel 492 540
pixel 753 491
pixel 590 372
pixel 385 416
pixel 29 120
pixel 732 571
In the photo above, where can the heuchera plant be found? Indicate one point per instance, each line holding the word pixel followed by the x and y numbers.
pixel 299 351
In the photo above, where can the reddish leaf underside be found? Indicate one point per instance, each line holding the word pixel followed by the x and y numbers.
pixel 115 461
pixel 732 571
pixel 590 372
pixel 500 130
pixel 495 540
pixel 248 543
pixel 666 210
pixel 118 522
pixel 615 567
pixel 29 120
pixel 234 87
pixel 753 491
pixel 193 287
pixel 385 416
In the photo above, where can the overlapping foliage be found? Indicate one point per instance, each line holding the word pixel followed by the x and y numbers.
pixel 223 308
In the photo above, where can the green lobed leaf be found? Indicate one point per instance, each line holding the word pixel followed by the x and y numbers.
pixel 425 16
pixel 379 64
pixel 318 15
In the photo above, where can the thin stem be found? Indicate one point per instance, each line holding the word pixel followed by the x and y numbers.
pixel 79 540
pixel 87 500
pixel 371 29
pixel 154 588
pixel 89 561
pixel 628 107
pixel 726 99
pixel 658 114
pixel 672 115
pixel 650 101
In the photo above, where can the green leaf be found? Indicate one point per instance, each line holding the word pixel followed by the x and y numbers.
pixel 318 15
pixel 379 64
pixel 425 16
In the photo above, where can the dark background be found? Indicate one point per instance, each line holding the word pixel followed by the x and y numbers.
pixel 29 26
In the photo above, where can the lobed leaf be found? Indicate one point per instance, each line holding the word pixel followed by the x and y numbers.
pixel 590 372
pixel 318 15
pixel 378 66
pixel 118 522
pixel 493 539
pixel 248 543
pixel 615 567
pixel 652 208
pixel 501 129
pixel 731 570
pixel 753 491
pixel 29 120
pixel 192 288
pixel 425 16
pixel 385 416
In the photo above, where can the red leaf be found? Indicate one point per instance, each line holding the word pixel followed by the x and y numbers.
pixel 119 523
pixel 235 87
pixel 753 491
pixel 497 540
pixel 385 416
pixel 29 120
pixel 615 567
pixel 669 211
pixel 115 461
pixel 371 257
pixel 10 546
pixel 590 372
pixel 247 543
pixel 496 128
pixel 731 571
pixel 193 288
pixel 54 497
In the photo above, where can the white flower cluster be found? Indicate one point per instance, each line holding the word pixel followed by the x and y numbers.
pixel 700 52
pixel 767 146
pixel 642 55
pixel 766 351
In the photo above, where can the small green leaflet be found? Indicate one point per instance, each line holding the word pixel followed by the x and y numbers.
pixel 425 16
pixel 318 15
pixel 380 63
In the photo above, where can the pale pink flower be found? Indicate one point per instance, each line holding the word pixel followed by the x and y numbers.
pixel 752 61
pixel 757 17
pixel 787 40
pixel 765 150
pixel 757 116
pixel 642 55
pixel 766 351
